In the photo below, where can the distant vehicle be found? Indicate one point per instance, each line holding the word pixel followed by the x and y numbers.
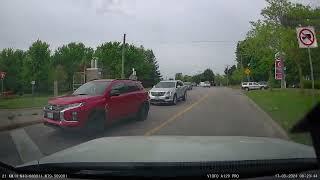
pixel 189 85
pixel 97 102
pixel 297 85
pixel 263 83
pixel 168 92
pixel 253 86
pixel 205 84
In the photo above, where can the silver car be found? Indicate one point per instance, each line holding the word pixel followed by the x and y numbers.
pixel 168 92
pixel 253 86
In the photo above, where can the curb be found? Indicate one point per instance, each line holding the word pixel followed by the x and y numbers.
pixel 22 109
pixel 272 122
pixel 19 125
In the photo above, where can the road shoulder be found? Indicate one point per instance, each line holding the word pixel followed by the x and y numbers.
pixel 272 122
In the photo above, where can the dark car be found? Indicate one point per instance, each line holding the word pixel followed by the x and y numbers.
pixel 264 84
pixel 189 85
pixel 97 102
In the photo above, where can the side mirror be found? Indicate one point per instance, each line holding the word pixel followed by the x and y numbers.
pixel 154 86
pixel 115 92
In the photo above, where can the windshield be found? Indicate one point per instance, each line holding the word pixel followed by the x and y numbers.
pixel 165 85
pixel 92 88
pixel 181 78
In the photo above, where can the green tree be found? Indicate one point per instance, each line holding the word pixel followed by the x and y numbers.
pixel 75 57
pixel 277 33
pixel 229 70
pixel 11 62
pixel 154 74
pixel 208 75
pixel 36 65
pixel 220 80
pixel 110 56
pixel 60 75
pixel 142 60
pixel 178 76
pixel 187 78
pixel 197 78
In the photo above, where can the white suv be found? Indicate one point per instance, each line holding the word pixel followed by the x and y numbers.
pixel 205 84
pixel 252 86
pixel 168 92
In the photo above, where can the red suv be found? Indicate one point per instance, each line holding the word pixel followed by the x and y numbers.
pixel 97 102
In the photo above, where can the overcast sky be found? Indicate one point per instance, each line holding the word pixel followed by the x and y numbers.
pixel 176 30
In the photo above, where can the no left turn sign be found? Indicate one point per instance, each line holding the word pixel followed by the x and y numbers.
pixel 306 37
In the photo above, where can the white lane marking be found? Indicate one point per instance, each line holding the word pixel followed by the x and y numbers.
pixel 27 149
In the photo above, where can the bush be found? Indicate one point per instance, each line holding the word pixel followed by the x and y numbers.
pixel 308 84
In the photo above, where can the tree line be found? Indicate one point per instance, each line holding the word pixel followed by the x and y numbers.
pixel 43 65
pixel 206 75
pixel 276 32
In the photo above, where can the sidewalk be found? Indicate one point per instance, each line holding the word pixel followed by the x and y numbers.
pixel 15 118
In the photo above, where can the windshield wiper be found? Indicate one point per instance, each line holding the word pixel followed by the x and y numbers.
pixel 81 94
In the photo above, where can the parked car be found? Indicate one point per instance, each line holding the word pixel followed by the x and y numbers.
pixel 264 83
pixel 168 92
pixel 97 102
pixel 205 84
pixel 253 86
pixel 189 85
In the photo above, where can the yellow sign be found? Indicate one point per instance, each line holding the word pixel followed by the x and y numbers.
pixel 247 71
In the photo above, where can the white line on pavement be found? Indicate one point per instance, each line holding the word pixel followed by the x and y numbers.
pixel 26 148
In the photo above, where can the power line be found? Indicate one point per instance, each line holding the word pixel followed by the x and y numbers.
pixel 213 41
pixel 189 42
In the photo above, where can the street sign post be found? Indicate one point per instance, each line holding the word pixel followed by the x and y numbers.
pixel 2 76
pixel 33 83
pixel 307 39
pixel 247 71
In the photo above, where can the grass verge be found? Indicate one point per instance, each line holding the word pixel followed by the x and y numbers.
pixel 23 102
pixel 286 107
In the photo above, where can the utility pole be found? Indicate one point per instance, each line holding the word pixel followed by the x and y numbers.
pixel 312 78
pixel 1 86
pixel 283 79
pixel 227 75
pixel 241 68
pixel 123 49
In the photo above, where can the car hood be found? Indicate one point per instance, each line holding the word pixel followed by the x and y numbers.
pixel 70 99
pixel 161 89
pixel 178 149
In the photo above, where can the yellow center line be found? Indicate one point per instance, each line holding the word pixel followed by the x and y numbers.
pixel 174 117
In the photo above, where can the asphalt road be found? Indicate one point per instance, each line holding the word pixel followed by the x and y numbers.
pixel 207 112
